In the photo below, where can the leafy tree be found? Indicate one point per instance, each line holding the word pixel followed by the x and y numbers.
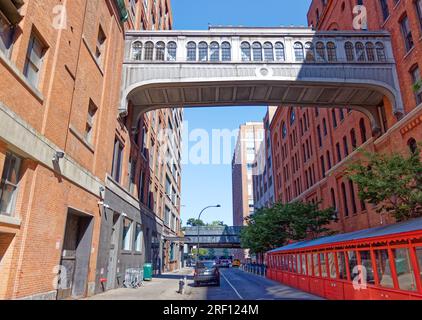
pixel 390 182
pixel 217 224
pixel 202 252
pixel 195 222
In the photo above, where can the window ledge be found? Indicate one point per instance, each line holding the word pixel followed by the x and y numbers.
pixel 82 139
pixel 92 55
pixel 10 221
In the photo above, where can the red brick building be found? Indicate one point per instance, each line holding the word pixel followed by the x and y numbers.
pixel 311 147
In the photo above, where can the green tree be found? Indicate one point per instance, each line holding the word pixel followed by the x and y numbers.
pixel 202 252
pixel 390 182
pixel 195 222
pixel 217 224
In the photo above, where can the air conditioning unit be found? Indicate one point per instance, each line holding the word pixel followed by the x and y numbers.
pixel 10 10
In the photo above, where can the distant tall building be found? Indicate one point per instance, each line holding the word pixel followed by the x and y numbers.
pixel 263 182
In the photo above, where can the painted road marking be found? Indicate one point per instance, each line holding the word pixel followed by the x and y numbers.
pixel 234 289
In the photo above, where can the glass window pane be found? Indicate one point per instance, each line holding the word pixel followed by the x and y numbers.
pixel 353 263
pixel 127 226
pixel 309 264
pixel 138 238
pixel 365 257
pixel 419 256
pixel 299 267
pixel 383 268
pixel 322 260
pixel 304 264
pixel 332 265
pixel 316 265
pixel 404 269
pixel 342 265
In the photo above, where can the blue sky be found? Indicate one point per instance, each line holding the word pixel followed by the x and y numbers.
pixel 204 185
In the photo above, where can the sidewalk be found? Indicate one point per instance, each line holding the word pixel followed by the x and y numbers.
pixel 162 287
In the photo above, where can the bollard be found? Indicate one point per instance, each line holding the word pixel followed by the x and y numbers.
pixel 182 286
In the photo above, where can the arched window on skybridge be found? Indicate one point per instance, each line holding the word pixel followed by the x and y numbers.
pixel 268 51
pixel 149 51
pixel 350 51
pixel 370 51
pixel 279 52
pixel 171 51
pixel 137 50
pixel 191 51
pixel 214 51
pixel 160 50
pixel 299 55
pixel 226 51
pixel 320 52
pixel 310 52
pixel 246 51
pixel 203 51
pixel 331 52
pixel 257 51
pixel 360 51
pixel 380 52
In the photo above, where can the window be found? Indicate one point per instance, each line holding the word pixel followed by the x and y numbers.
pixel 141 187
pixel 404 269
pixel 191 51
pixel 370 51
pixel 9 184
pixel 332 265
pixel 203 51
pixel 167 214
pixel 353 263
pixel 100 48
pixel 338 152
pixel 383 268
pixel 279 52
pixel 299 55
pixel 345 146
pixel 345 204
pixel 333 113
pixel 246 51
pixel 137 50
pixel 309 52
pixel 7 33
pixel 90 122
pixel 365 257
pixel 132 174
pixel 419 258
pixel 416 77
pixel 138 238
pixel 324 125
pixel 34 60
pixel 160 48
pixel 413 146
pixel 214 51
pixel 310 268
pixel 149 51
pixel 292 117
pixel 322 260
pixel 320 52
pixel 385 10
pixel 379 46
pixel 268 51
pixel 362 130
pixel 331 51
pixel 127 235
pixel 418 4
pixel 360 51
pixel 350 55
pixel 116 170
pixel 226 51
pixel 316 265
pixel 342 270
pixel 171 51
pixel 407 33
pixel 257 51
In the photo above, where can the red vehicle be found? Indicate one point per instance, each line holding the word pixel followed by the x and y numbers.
pixel 383 263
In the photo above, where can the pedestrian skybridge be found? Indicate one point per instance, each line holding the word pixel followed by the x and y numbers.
pixel 260 66
pixel 213 237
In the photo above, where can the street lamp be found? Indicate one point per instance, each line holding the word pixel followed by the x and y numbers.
pixel 199 218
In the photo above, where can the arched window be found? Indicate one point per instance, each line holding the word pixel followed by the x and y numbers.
pixel 292 116
pixel 360 51
pixel 171 51
pixel 279 52
pixel 380 52
pixel 331 51
pixel 214 51
pixel 191 53
pixel 160 51
pixel 203 51
pixel 298 47
pixel 309 52
pixel 226 51
pixel 350 54
pixel 246 51
pixel 334 202
pixel 353 196
pixel 345 204
pixel 353 139
pixel 137 50
pixel 268 51
pixel 283 130
pixel 320 52
pixel 370 51
pixel 413 146
pixel 149 51
pixel 362 128
pixel 257 51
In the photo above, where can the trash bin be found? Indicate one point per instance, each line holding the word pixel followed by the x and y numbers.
pixel 148 271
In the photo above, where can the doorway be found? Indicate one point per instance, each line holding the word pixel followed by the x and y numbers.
pixel 75 255
pixel 113 251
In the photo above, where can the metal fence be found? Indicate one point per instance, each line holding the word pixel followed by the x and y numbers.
pixel 258 269
pixel 133 277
